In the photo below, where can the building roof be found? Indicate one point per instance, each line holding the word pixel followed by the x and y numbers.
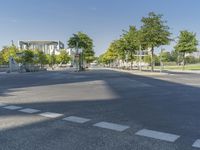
pixel 39 42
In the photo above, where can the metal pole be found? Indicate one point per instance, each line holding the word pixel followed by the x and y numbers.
pixel 76 55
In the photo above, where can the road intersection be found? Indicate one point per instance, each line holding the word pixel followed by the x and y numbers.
pixel 99 109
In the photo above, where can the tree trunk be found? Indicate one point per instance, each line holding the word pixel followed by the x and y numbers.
pixel 131 60
pixel 183 61
pixel 152 60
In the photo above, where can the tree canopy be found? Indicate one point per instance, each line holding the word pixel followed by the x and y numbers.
pixel 82 41
pixel 63 57
pixel 7 52
pixel 187 43
pixel 155 32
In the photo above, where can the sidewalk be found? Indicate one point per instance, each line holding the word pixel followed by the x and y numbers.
pixel 184 71
pixel 137 72
pixel 155 73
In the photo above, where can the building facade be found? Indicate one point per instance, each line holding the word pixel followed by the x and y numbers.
pixel 48 47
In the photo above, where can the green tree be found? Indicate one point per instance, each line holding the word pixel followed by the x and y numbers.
pixel 174 56
pixel 48 57
pixel 132 42
pixel 155 33
pixel 1 58
pixel 88 55
pixel 187 43
pixel 63 57
pixel 191 59
pixel 110 55
pixel 7 52
pixel 102 59
pixel 84 42
pixel 52 60
pixel 165 56
pixel 28 56
pixel 121 48
pixel 41 58
pixel 147 59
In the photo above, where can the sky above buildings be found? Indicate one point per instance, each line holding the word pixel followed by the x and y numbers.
pixel 102 20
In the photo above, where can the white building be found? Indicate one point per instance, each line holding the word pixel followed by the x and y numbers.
pixel 48 47
pixel 70 52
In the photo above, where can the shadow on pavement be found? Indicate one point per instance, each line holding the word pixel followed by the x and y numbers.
pixel 140 102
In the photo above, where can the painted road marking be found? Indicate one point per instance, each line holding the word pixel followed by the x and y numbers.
pixel 12 107
pixel 50 115
pixel 158 135
pixel 196 143
pixel 112 126
pixel 29 110
pixel 76 119
pixel 2 104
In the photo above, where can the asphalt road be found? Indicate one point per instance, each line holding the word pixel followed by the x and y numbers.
pixel 103 110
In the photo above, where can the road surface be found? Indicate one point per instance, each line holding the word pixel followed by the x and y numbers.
pixel 99 110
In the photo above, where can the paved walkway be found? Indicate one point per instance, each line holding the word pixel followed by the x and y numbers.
pixel 155 73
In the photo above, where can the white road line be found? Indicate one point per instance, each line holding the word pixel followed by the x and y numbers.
pixel 29 110
pixel 196 143
pixel 50 115
pixel 76 119
pixel 2 104
pixel 158 135
pixel 112 126
pixel 12 107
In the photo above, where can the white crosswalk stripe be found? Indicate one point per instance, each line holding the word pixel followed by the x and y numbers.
pixel 76 119
pixel 51 115
pixel 196 143
pixel 158 135
pixel 112 126
pixel 2 104
pixel 12 107
pixel 29 110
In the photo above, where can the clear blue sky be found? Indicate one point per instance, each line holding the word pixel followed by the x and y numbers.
pixel 102 20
